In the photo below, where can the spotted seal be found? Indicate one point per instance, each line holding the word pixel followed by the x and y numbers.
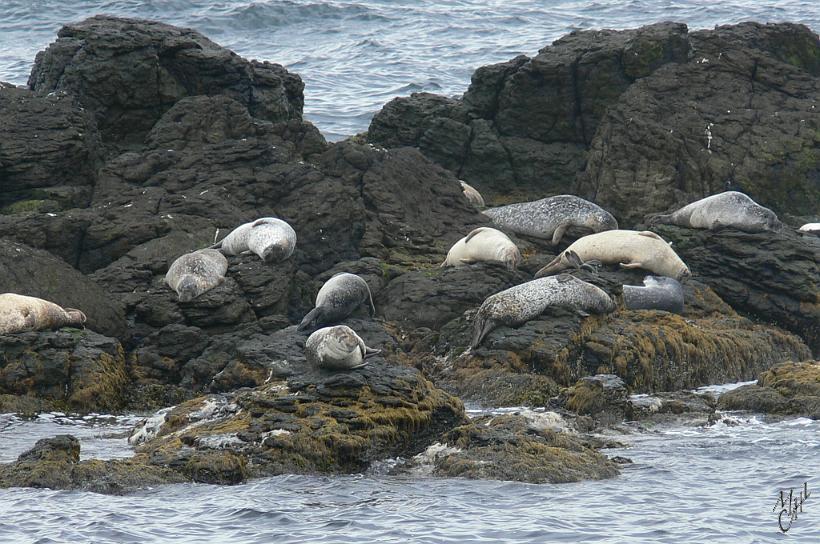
pixel 337 348
pixel 728 209
pixel 272 239
pixel 521 303
pixel 194 273
pixel 20 313
pixel 481 245
pixel 337 299
pixel 657 293
pixel 628 248
pixel 472 195
pixel 549 218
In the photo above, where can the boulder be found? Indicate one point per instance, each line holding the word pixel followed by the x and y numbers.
pixel 129 72
pixel 787 389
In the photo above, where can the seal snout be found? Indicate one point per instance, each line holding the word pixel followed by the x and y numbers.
pixel 187 289
pixel 276 252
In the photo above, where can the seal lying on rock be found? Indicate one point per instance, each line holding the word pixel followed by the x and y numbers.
pixel 549 218
pixel 481 245
pixel 658 293
pixel 272 239
pixel 195 273
pixel 729 209
pixel 524 302
pixel 472 194
pixel 337 348
pixel 337 299
pixel 629 248
pixel 19 313
pixel 811 228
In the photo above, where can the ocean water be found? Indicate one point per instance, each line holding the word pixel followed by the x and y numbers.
pixel 356 56
pixel 687 484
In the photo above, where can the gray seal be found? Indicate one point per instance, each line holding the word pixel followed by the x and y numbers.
pixel 272 239
pixel 337 348
pixel 729 209
pixel 19 313
pixel 338 298
pixel 549 218
pixel 195 273
pixel 657 293
pixel 521 303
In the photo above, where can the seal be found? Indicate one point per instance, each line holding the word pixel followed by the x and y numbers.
pixel 272 239
pixel 195 273
pixel 658 293
pixel 729 209
pixel 472 194
pixel 19 313
pixel 811 228
pixel 337 348
pixel 628 248
pixel 549 218
pixel 484 244
pixel 337 299
pixel 521 303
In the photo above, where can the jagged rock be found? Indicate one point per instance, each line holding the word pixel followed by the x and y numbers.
pixel 772 276
pixel 37 273
pixel 787 389
pixel 49 152
pixel 640 121
pixel 72 369
pixel 129 72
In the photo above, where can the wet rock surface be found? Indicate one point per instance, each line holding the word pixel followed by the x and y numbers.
pixel 152 141
pixel 787 389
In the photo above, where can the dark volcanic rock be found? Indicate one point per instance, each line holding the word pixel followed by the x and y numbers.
pixel 772 276
pixel 787 389
pixel 36 273
pixel 49 152
pixel 74 370
pixel 640 121
pixel 128 72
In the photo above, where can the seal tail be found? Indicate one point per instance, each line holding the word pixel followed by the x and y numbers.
pixel 310 319
pixel 370 352
pixel 481 330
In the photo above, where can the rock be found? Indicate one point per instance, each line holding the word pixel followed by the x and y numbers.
pixel 129 72
pixel 603 395
pixel 37 273
pixel 704 112
pixel 771 276
pixel 62 448
pixel 787 389
pixel 74 370
pixel 49 154
pixel 508 447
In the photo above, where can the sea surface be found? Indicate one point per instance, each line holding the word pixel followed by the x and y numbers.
pixel 687 484
pixel 356 56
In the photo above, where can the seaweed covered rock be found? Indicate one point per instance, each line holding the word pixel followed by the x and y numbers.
pixel 787 389
pixel 514 447
pixel 772 276
pixel 70 369
pixel 128 72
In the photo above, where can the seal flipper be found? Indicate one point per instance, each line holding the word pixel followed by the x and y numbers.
pixel 468 261
pixel 559 233
pixel 630 266
pixel 370 352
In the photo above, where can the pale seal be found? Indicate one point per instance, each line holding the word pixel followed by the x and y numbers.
pixel 657 293
pixel 549 218
pixel 521 303
pixel 472 195
pixel 272 239
pixel 811 228
pixel 628 248
pixel 337 299
pixel 19 313
pixel 729 209
pixel 481 245
pixel 195 273
pixel 337 348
